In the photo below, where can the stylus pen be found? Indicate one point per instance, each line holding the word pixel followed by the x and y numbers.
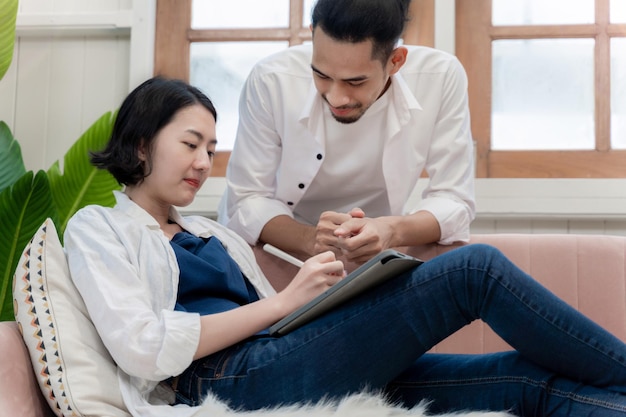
pixel 282 255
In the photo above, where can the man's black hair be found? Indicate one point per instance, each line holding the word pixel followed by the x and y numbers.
pixel 381 21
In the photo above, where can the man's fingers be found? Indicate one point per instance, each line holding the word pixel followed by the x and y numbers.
pixel 357 212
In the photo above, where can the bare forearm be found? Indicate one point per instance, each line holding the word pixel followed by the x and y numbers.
pixel 221 330
pixel 414 229
pixel 289 235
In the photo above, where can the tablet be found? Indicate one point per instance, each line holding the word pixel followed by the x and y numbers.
pixel 386 265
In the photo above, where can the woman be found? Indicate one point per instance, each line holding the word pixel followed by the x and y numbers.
pixel 181 304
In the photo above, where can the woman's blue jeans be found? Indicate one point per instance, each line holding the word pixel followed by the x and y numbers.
pixel 564 364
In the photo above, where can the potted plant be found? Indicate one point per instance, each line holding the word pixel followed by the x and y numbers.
pixel 28 198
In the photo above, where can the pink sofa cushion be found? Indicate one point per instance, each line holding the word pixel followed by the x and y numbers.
pixel 19 392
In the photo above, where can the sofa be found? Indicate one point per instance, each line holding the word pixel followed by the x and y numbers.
pixel 587 271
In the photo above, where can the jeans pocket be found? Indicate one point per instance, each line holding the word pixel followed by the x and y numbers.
pixel 191 386
pixel 214 366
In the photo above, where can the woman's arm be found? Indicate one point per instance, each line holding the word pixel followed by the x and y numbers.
pixel 221 330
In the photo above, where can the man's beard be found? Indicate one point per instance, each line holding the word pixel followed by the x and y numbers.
pixel 348 119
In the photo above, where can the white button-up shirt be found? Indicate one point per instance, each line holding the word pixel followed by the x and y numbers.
pixel 127 273
pixel 281 143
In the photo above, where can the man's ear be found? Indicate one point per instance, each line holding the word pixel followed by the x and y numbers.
pixel 397 59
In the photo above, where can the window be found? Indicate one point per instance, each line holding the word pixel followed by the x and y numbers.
pixel 213 44
pixel 547 86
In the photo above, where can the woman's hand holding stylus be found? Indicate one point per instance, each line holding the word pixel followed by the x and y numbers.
pixel 316 275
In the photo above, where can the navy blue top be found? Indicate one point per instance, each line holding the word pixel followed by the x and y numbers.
pixel 210 280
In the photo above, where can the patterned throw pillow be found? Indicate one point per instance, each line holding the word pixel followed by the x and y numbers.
pixel 73 368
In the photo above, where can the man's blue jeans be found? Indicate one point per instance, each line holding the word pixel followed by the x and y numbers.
pixel 564 364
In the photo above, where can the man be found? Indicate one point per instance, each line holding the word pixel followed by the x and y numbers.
pixel 333 138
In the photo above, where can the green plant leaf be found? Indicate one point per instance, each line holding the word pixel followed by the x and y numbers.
pixel 8 15
pixel 11 162
pixel 24 207
pixel 81 183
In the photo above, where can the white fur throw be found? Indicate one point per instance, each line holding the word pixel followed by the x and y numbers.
pixel 358 405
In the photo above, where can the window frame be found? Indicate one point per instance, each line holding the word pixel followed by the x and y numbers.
pixel 473 37
pixel 174 35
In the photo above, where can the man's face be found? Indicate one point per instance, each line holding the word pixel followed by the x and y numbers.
pixel 347 76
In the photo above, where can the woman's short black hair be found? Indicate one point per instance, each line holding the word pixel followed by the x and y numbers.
pixel 381 21
pixel 144 112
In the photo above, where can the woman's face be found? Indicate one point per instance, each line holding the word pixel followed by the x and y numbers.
pixel 182 157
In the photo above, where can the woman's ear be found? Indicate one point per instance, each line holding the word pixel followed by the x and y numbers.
pixel 397 59
pixel 141 151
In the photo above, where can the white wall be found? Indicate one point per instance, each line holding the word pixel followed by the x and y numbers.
pixel 73 61
pixel 76 59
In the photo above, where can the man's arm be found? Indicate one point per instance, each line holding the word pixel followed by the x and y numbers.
pixel 249 200
pixel 350 235
pixel 449 195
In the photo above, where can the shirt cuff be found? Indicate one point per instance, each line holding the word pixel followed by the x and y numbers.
pixel 182 336
pixel 454 218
